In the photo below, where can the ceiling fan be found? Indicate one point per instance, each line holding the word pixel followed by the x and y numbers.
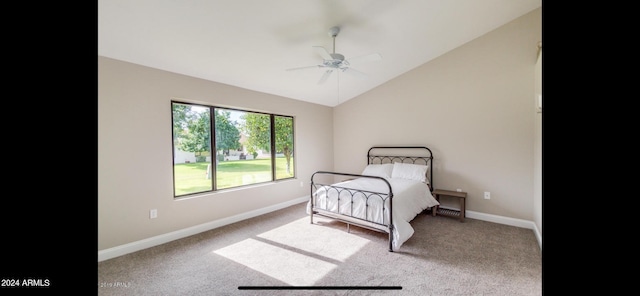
pixel 336 62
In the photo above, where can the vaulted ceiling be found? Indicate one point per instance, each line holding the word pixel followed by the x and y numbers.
pixel 251 43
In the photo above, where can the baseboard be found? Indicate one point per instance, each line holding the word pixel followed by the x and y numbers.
pixel 507 221
pixel 167 237
pixel 536 231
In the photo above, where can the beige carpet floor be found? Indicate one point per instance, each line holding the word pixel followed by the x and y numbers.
pixel 281 253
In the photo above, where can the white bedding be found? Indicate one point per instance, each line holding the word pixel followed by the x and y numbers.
pixel 409 199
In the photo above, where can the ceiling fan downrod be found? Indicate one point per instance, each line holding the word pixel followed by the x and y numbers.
pixel 333 32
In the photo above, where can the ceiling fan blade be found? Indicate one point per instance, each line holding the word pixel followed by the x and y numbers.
pixel 323 52
pixel 303 68
pixel 365 58
pixel 355 73
pixel 325 76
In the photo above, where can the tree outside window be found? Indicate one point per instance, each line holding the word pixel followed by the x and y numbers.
pixel 250 148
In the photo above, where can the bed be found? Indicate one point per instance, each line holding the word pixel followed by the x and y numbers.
pixel 394 187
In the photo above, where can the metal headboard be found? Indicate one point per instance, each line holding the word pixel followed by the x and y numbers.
pixel 425 159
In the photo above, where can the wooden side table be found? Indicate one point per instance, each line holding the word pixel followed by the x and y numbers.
pixel 462 197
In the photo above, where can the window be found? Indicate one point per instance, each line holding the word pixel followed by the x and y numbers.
pixel 248 148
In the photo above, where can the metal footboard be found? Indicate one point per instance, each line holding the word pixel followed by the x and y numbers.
pixel 353 195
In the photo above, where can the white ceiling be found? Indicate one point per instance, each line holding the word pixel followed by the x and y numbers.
pixel 251 43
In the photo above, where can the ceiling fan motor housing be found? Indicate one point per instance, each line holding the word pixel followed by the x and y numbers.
pixel 337 56
pixel 337 62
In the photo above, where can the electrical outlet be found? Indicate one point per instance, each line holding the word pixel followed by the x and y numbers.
pixel 459 190
pixel 487 195
pixel 153 214
pixel 301 183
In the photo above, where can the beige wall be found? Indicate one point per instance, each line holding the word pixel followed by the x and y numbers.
pixel 135 152
pixel 472 106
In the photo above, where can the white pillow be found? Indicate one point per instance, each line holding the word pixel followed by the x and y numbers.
pixel 410 171
pixel 378 170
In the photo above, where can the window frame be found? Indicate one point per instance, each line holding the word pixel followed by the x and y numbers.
pixel 213 148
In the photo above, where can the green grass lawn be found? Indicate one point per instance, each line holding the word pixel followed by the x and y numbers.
pixel 192 177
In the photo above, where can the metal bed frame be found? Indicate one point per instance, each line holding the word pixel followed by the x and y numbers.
pixel 372 158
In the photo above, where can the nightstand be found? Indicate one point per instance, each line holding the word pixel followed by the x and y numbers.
pixel 462 196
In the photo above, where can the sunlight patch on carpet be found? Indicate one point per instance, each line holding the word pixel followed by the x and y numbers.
pixel 325 241
pixel 287 266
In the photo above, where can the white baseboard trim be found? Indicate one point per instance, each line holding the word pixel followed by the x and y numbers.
pixel 167 237
pixel 536 231
pixel 507 221
pixel 171 236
